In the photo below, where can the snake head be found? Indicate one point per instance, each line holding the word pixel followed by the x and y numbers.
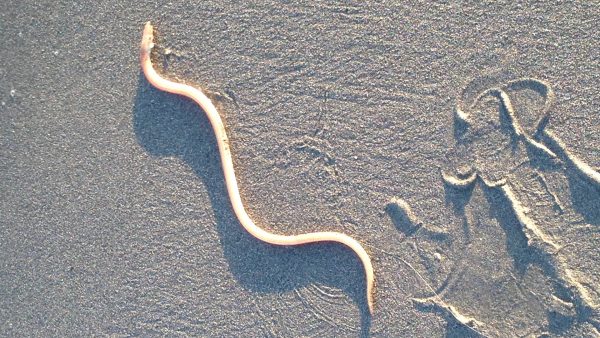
pixel 147 39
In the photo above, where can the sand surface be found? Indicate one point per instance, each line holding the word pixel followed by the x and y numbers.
pixel 114 218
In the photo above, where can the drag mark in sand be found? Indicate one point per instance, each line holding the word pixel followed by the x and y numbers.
pixel 461 183
pixel 542 87
pixel 528 227
pixel 435 303
pixel 401 212
pixel 515 124
pixel 556 147
pixel 227 163
pixel 542 180
pixel 572 292
pixel 545 246
pixel 583 169
pixel 555 144
pixel 452 313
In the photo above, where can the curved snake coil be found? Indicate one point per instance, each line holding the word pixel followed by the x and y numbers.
pixel 232 187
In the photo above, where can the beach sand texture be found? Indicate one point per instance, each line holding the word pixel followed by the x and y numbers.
pixel 459 144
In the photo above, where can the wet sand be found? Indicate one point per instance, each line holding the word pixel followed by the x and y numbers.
pixel 459 144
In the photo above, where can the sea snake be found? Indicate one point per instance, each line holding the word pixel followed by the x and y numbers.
pixel 232 187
